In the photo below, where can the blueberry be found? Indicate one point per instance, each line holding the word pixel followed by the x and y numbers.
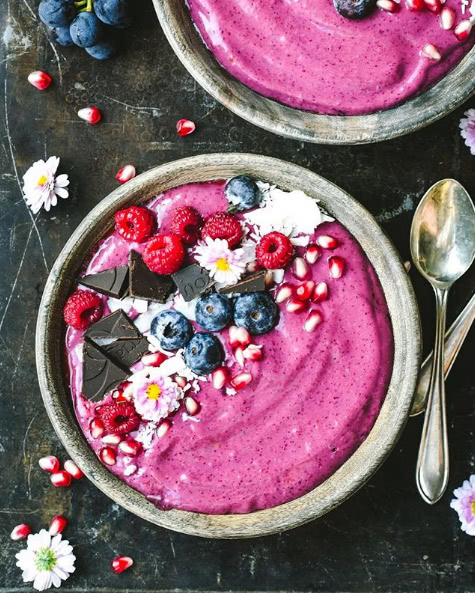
pixel 213 312
pixel 257 312
pixel 354 9
pixel 56 13
pixel 103 50
pixel 172 329
pixel 242 192
pixel 203 353
pixel 86 29
pixel 62 36
pixel 113 12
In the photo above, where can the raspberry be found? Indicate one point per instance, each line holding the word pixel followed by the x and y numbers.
pixel 186 223
pixel 82 309
pixel 134 223
pixel 119 418
pixel 222 225
pixel 164 253
pixel 274 251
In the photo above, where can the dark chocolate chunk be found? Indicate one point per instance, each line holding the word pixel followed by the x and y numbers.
pixel 113 327
pixel 112 283
pixel 145 284
pixel 127 351
pixel 253 283
pixel 100 373
pixel 192 281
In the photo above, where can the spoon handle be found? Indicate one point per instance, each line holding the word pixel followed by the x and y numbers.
pixel 432 471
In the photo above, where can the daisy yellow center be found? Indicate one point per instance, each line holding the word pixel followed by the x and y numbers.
pixel 45 559
pixel 222 265
pixel 153 391
pixel 473 508
pixel 42 180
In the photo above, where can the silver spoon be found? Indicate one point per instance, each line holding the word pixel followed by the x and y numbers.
pixel 442 248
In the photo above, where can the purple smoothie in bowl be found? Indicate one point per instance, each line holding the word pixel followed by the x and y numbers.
pixel 282 408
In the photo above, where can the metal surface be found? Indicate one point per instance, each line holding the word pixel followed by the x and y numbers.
pixel 443 248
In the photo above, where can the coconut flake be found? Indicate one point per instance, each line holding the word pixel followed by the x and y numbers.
pixel 144 320
pixel 185 417
pixel 185 308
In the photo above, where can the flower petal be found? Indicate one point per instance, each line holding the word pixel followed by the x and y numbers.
pixel 61 192
pixel 62 180
pixel 42 581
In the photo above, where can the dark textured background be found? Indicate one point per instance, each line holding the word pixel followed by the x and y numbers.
pixel 383 539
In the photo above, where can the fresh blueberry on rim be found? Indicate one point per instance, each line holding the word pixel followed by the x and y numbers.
pixel 257 312
pixel 242 192
pixel 86 30
pixel 354 9
pixel 56 13
pixel 172 329
pixel 103 50
pixel 61 36
pixel 115 13
pixel 203 353
pixel 213 311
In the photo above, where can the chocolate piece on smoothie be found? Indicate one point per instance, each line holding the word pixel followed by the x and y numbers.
pixel 253 283
pixel 113 283
pixel 113 327
pixel 145 284
pixel 192 281
pixel 100 373
pixel 127 351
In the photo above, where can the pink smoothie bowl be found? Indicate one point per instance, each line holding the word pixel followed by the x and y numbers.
pixel 401 304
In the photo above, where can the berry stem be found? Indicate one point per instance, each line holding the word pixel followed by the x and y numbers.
pixel 80 3
pixel 89 7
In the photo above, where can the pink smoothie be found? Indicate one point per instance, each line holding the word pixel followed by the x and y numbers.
pixel 304 54
pixel 313 399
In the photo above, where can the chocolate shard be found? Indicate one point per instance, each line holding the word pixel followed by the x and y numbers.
pixel 253 283
pixel 192 281
pixel 100 373
pixel 127 352
pixel 145 284
pixel 113 283
pixel 113 327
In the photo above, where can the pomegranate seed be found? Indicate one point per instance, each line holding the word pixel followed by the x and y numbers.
pixel 108 456
pixel 192 406
pixel 241 380
pixel 57 525
pixel 336 265
pixel 121 563
pixel 463 30
pixel 184 127
pixel 73 469
pixel 431 52
pixel 220 377
pixel 181 381
pixel 320 293
pixel 269 279
pixel 239 336
pixel 49 464
pixel 312 254
pixel 153 359
pixel 300 268
pixel 305 290
pixel 239 356
pixel 284 292
pixel 119 397
pixel 90 114
pixel 295 306
pixel 252 266
pixel 126 174
pixel 447 18
pixel 388 5
pixel 112 439
pixel 327 242
pixel 434 6
pixel 130 447
pixel 415 5
pixel 21 531
pixel 253 352
pixel 128 391
pixel 163 428
pixel 314 318
pixel 39 79
pixel 96 428
pixel 61 479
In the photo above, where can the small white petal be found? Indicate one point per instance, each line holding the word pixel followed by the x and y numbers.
pixel 42 581
pixel 61 192
pixel 62 180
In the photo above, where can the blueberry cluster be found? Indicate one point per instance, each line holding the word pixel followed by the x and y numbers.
pixel 90 24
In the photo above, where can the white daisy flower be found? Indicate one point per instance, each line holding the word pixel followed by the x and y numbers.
pixel 226 266
pixel 41 186
pixel 46 561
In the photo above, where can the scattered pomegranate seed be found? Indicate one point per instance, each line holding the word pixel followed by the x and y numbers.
pixel 253 266
pixel 295 305
pixel 61 479
pixel 112 439
pixel 181 381
pixel 49 464
pixel 163 428
pixel 431 52
pixel 300 268
pixel 336 266
pixel 39 79
pixel 192 406
pixel 119 397
pixel 284 292
pixel 153 359
pixel 220 377
pixel 239 356
pixel 415 5
pixel 130 447
pixel 108 456
pixel 388 5
pixel 121 563
pixel 327 242
pixel 126 174
pixel 269 279
pixel 96 428
pixel 312 254
pixel 184 127
pixel 19 532
pixel 57 525
pixel 241 380
pixel 128 391
pixel 447 18
pixel 320 293
pixel 253 352
pixel 314 318
pixel 463 30
pixel 73 469
pixel 434 6
pixel 239 336
pixel 91 115
pixel 305 290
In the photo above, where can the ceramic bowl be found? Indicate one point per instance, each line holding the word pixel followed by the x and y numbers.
pixel 455 88
pixel 51 363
